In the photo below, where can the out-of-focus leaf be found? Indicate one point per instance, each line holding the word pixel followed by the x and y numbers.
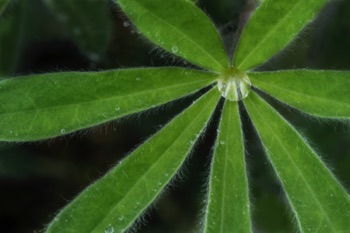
pixel 10 40
pixel 228 201
pixel 179 27
pixel 271 28
pixel 48 105
pixel 319 202
pixel 114 202
pixel 319 93
pixel 87 22
pixel 3 4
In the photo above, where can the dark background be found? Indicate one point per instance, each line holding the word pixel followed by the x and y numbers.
pixel 38 178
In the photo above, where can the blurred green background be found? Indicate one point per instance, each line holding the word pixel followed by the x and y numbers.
pixel 38 178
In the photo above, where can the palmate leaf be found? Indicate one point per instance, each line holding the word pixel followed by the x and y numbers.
pixel 228 201
pixel 114 202
pixel 319 93
pixel 179 27
pixel 48 105
pixel 319 202
pixel 271 28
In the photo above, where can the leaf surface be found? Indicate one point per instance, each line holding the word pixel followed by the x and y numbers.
pixel 228 200
pixel 319 93
pixel 179 27
pixel 272 26
pixel 114 202
pixel 47 105
pixel 319 202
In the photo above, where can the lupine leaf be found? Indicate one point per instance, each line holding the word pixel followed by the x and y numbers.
pixel 228 201
pixel 319 93
pixel 179 27
pixel 115 201
pixel 319 202
pixel 48 105
pixel 271 28
pixel 86 22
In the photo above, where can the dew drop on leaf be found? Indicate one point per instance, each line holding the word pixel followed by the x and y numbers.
pixel 174 49
pixel 63 131
pixel 109 229
pixel 234 85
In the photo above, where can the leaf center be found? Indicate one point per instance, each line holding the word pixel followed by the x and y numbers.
pixel 234 84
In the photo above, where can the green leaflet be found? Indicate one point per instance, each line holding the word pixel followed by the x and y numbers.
pixel 319 93
pixel 228 201
pixel 127 190
pixel 87 22
pixel 319 202
pixel 48 105
pixel 179 27
pixel 3 4
pixel 271 28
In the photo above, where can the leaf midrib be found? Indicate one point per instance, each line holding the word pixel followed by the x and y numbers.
pixel 154 164
pixel 102 100
pixel 182 33
pixel 268 35
pixel 297 168
pixel 307 96
pixel 224 182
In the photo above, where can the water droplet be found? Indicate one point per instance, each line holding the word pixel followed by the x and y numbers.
pixel 117 109
pixel 126 24
pixel 63 131
pixel 175 49
pixel 138 79
pixel 109 229
pixel 166 174
pixel 121 218
pixel 331 194
pixel 234 85
pixel 222 142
